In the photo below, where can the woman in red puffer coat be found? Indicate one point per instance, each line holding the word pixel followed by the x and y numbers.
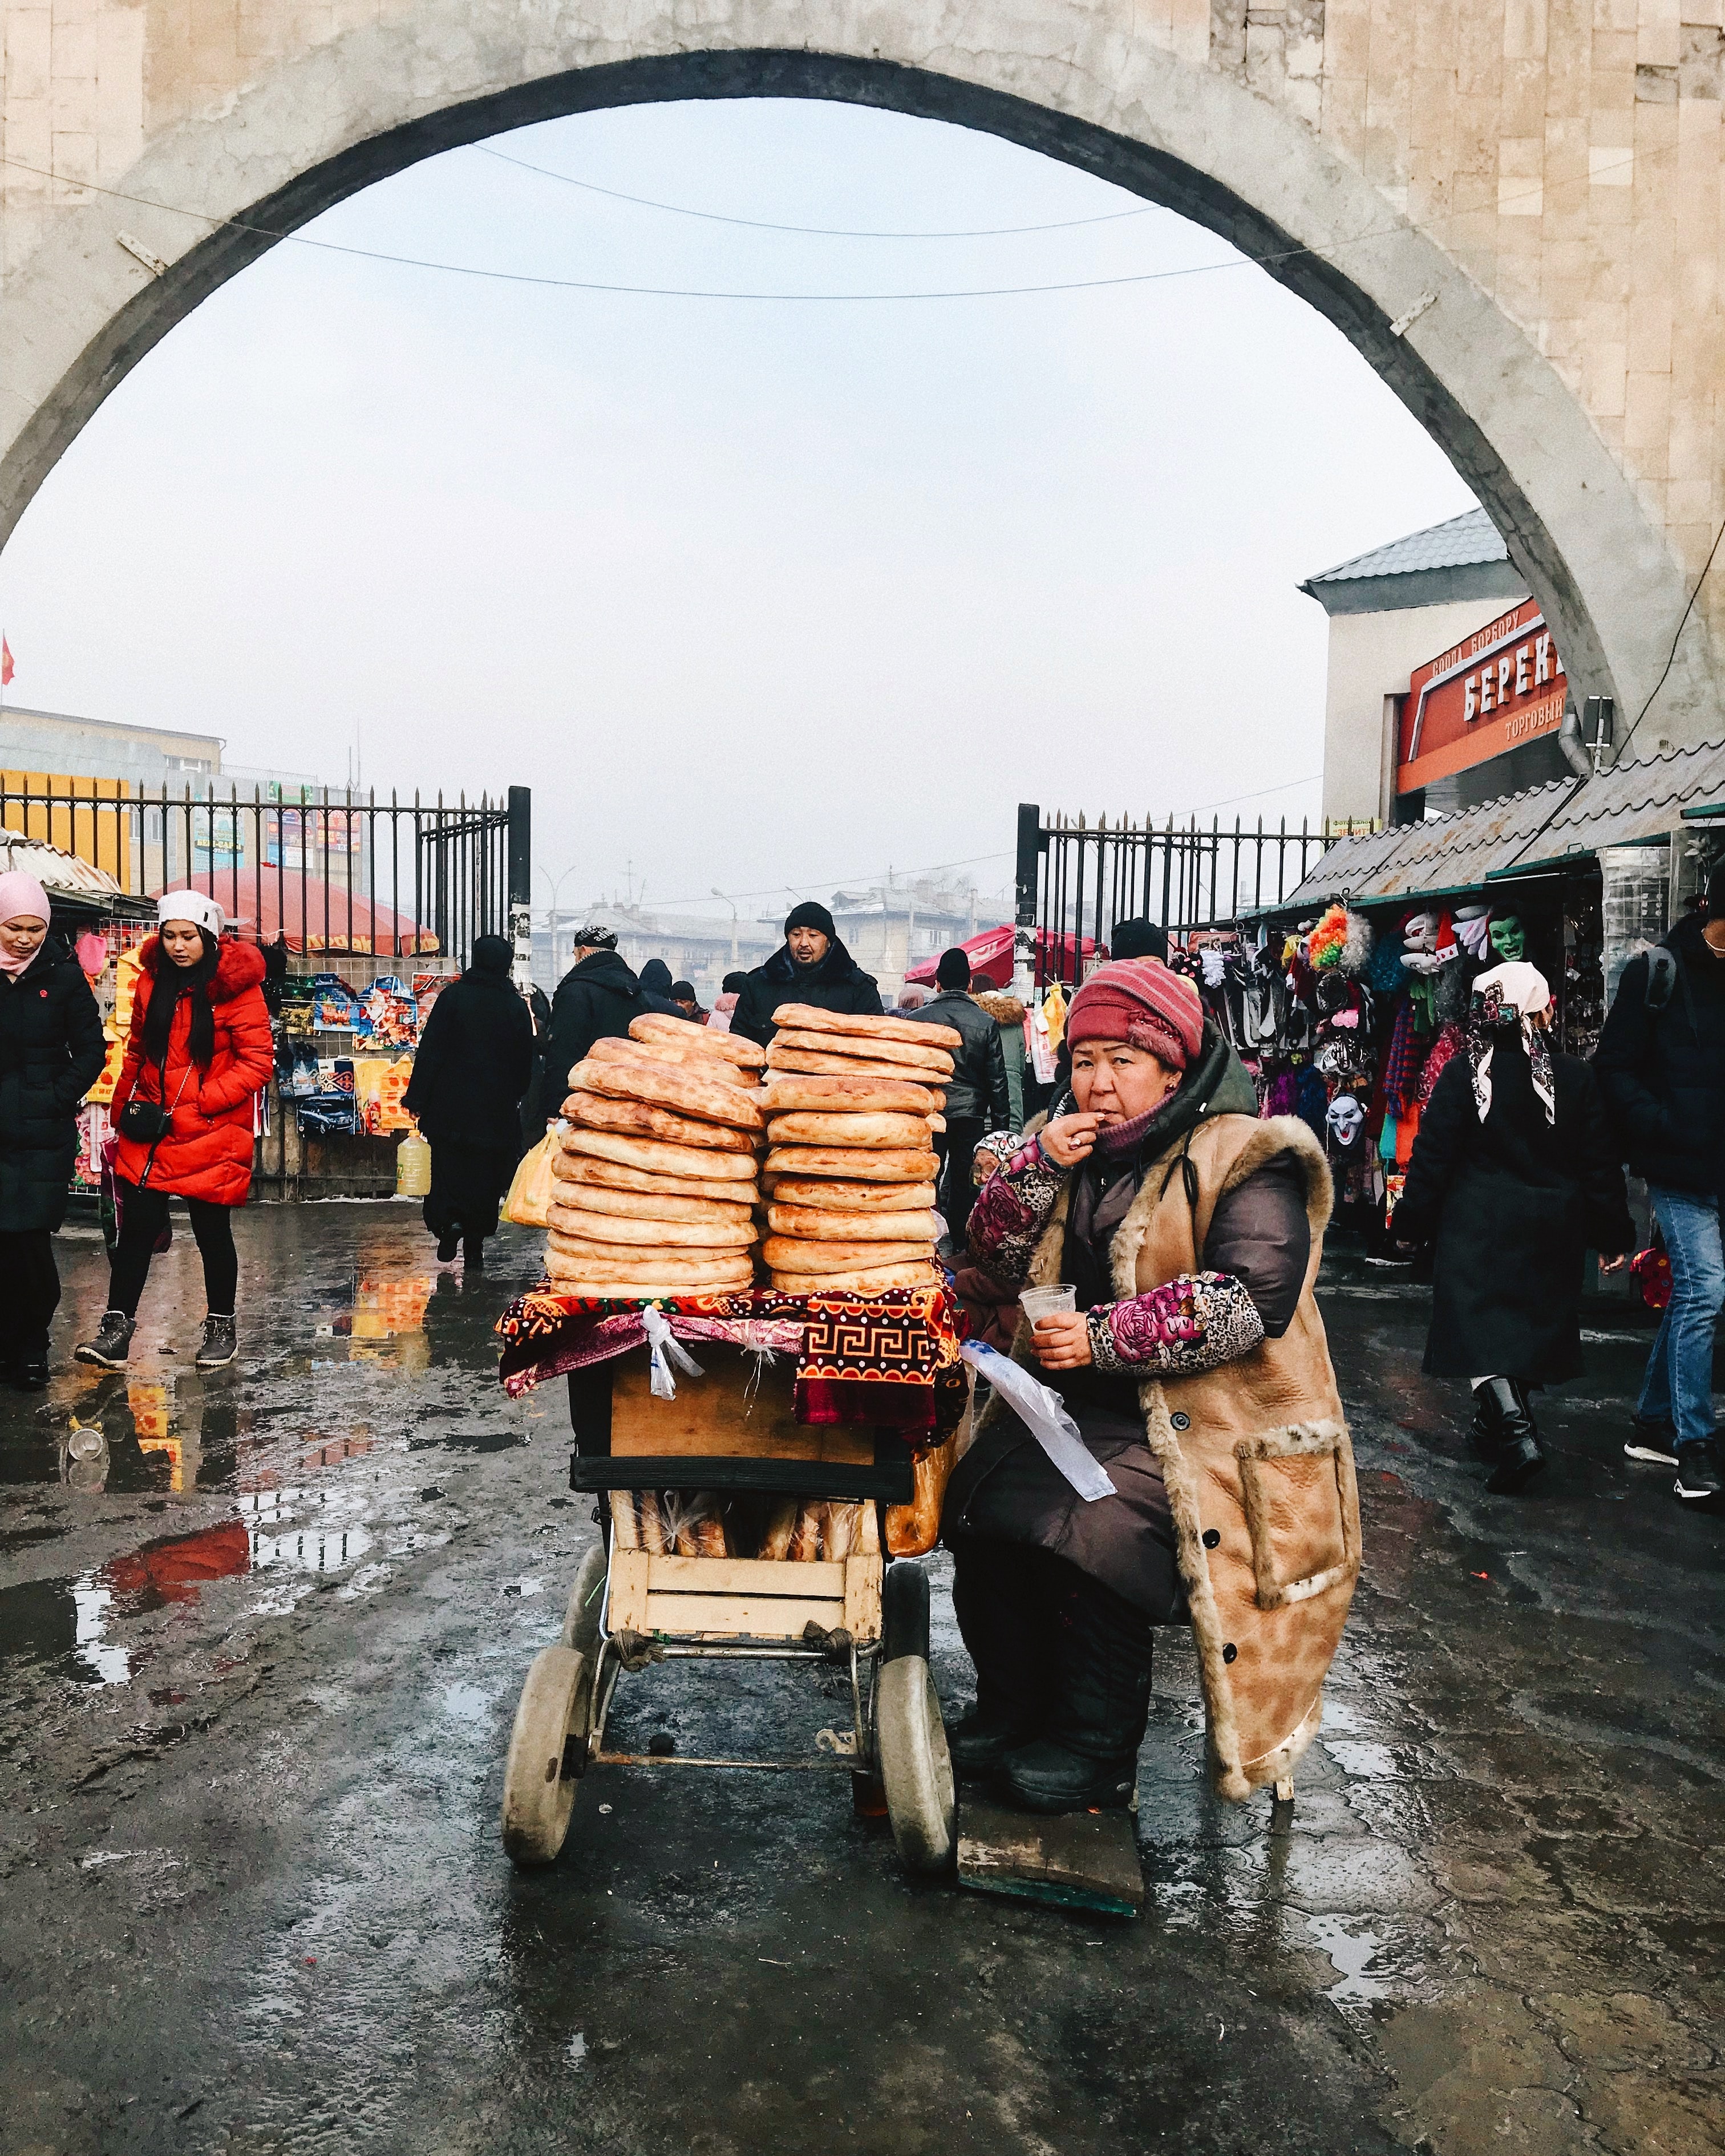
pixel 200 1046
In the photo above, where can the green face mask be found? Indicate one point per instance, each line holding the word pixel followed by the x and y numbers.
pixel 1508 938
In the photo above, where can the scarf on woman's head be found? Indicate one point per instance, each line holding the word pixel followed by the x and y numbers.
pixel 1500 997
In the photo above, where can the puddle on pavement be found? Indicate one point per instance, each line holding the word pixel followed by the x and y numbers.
pixel 1370 1969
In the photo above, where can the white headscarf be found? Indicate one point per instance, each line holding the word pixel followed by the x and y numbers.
pixel 1513 990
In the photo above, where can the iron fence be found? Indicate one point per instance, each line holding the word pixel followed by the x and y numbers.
pixel 1076 879
pixel 339 874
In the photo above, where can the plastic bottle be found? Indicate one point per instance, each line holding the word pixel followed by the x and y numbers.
pixel 413 1165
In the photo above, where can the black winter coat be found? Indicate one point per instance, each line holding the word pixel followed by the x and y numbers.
pixel 473 1064
pixel 978 1085
pixel 1662 1072
pixel 838 983
pixel 1515 1204
pixel 51 1054
pixel 595 1001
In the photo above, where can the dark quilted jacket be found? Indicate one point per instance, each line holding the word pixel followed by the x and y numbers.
pixel 51 1053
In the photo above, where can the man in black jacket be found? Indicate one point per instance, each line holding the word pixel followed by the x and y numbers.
pixel 811 966
pixel 595 1000
pixel 977 1101
pixel 1662 1067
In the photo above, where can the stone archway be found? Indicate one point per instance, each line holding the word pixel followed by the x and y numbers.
pixel 1442 267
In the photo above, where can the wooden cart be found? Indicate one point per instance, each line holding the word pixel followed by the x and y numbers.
pixel 733 1430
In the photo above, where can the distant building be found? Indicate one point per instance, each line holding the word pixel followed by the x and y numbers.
pixel 698 948
pixel 149 757
pixel 1431 604
pixel 888 927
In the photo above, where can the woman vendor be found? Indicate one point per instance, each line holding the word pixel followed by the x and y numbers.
pixel 1196 1368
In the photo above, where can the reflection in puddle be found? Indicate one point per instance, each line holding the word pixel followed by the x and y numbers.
pixel 383 1320
pixel 1370 1968
pixel 106 1664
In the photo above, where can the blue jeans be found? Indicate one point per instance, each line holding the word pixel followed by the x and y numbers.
pixel 1678 1389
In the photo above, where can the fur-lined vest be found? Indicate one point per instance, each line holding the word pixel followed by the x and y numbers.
pixel 1254 1452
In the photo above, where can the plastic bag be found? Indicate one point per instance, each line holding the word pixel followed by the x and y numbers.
pixel 528 1203
pixel 1043 1414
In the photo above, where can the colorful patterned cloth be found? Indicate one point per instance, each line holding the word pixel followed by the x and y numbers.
pixel 906 1336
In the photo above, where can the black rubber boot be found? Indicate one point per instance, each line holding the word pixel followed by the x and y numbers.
pixel 112 1344
pixel 1000 1600
pixel 473 1254
pixel 1086 1757
pixel 1520 1455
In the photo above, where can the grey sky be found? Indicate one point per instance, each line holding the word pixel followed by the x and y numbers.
pixel 751 594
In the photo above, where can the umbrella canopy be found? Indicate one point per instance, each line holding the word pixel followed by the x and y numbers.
pixel 991 953
pixel 314 915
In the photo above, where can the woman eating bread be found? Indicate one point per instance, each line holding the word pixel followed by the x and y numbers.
pixel 1195 1366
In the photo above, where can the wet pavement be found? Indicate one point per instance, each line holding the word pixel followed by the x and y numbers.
pixel 261 1635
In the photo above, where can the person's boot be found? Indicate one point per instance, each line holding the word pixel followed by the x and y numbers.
pixel 449 1249
pixel 112 1344
pixel 1004 1620
pixel 220 1345
pixel 1482 1432
pixel 1086 1758
pixel 1653 1440
pixel 1701 1472
pixel 473 1254
pixel 1520 1455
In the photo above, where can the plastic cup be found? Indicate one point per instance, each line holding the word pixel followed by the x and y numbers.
pixel 1039 1302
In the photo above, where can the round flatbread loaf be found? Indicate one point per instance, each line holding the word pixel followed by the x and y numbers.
pixel 574 1275
pixel 576 1167
pixel 830 1196
pixel 848 1130
pixel 729 1047
pixel 868 1280
pixel 703 1163
pixel 806 1018
pixel 854 1162
pixel 635 1232
pixel 597 1111
pixel 819 1063
pixel 817 1223
pixel 791 1254
pixel 681 1087
pixel 902 1056
pixel 649 1205
pixel 676 1053
pixel 616 1261
pixel 858 1096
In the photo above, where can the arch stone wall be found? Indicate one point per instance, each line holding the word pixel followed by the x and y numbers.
pixel 1537 184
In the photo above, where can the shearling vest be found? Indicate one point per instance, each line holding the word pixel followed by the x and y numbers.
pixel 1255 1459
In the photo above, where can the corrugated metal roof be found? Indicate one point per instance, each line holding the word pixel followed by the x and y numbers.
pixel 1458 544
pixel 1520 831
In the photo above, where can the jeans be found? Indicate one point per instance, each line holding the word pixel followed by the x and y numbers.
pixel 143 1215
pixel 1678 1389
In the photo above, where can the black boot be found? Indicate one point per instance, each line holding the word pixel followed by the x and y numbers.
pixel 1007 1627
pixel 473 1254
pixel 1516 1446
pixel 1087 1756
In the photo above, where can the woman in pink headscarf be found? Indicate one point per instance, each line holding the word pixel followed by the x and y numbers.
pixel 51 1053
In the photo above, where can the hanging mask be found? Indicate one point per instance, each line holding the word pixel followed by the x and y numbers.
pixel 1508 938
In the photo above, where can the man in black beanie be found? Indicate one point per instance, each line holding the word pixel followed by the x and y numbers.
pixel 1137 939
pixel 811 966
pixel 977 1099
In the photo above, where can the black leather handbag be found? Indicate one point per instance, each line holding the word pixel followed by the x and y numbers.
pixel 146 1122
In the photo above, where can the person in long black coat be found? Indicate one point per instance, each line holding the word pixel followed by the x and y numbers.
pixel 596 999
pixel 51 1054
pixel 812 966
pixel 473 1064
pixel 1515 1174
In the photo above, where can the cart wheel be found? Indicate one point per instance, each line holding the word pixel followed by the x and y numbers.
pixel 538 1785
pixel 580 1626
pixel 914 1764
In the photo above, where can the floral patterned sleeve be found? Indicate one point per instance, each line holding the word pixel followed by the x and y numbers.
pixel 1196 1321
pixel 1011 1210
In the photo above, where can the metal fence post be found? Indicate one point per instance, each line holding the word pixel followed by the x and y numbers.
pixel 520 882
pixel 1024 933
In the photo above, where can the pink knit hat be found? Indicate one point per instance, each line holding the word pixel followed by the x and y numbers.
pixel 20 894
pixel 1140 1001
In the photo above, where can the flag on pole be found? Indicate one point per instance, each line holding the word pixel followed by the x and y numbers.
pixel 6 665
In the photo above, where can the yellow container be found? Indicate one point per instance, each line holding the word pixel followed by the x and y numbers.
pixel 413 1167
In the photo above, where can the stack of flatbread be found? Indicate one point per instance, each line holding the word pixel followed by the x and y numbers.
pixel 656 1170
pixel 852 1108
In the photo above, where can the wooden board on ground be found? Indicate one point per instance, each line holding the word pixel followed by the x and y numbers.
pixel 1080 1860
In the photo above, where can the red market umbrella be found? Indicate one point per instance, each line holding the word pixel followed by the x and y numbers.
pixel 991 953
pixel 316 915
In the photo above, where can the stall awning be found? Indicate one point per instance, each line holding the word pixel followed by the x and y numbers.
pixel 1543 832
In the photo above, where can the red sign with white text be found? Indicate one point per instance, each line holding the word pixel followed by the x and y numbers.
pixel 1501 687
